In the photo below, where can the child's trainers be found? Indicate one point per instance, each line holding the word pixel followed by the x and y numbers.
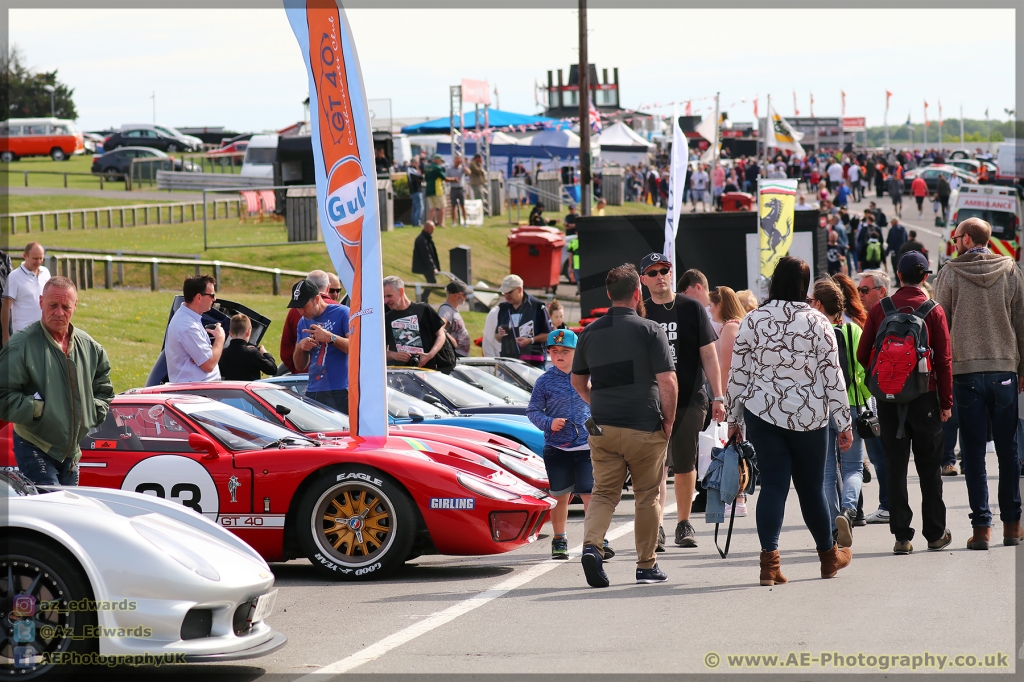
pixel 559 547
pixel 608 551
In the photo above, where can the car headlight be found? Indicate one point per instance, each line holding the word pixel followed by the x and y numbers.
pixel 519 466
pixel 482 487
pixel 149 529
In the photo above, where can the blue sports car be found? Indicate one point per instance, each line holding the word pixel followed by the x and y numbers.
pixel 405 409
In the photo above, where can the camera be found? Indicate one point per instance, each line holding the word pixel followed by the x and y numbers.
pixel 414 360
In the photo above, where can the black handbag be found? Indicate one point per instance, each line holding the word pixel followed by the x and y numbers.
pixel 867 421
pixel 446 358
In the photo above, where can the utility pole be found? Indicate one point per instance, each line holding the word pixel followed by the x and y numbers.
pixel 153 97
pixel 584 114
pixel 962 126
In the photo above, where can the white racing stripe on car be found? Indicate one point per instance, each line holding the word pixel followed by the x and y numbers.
pixel 439 618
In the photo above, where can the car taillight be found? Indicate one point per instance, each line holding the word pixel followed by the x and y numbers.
pixel 507 526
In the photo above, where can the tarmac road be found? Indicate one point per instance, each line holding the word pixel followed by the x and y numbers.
pixel 523 613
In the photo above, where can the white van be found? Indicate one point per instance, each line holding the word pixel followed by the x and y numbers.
pixel 998 205
pixel 260 156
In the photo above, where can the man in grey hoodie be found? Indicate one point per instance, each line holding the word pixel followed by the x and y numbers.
pixel 983 296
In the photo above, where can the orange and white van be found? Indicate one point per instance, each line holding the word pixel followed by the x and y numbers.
pixel 57 138
pixel 998 205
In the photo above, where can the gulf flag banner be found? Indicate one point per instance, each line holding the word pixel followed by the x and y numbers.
pixel 346 196
pixel 776 200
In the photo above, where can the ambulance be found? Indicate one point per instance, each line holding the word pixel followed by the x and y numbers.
pixel 998 205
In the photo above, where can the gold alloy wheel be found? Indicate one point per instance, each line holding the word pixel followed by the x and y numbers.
pixel 355 522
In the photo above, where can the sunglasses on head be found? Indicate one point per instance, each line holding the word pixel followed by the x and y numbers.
pixel 659 271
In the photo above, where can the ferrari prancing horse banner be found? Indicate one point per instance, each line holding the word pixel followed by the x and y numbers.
pixel 346 194
pixel 776 201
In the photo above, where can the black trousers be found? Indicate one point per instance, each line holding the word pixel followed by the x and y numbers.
pixel 923 434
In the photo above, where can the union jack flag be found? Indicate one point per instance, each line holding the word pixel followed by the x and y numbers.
pixel 595 118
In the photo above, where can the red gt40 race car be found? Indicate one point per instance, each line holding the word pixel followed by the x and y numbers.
pixel 354 512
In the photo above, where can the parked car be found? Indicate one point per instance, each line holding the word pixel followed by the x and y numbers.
pixel 404 409
pixel 197 589
pixel 454 395
pixel 354 512
pixel 116 164
pixel 973 166
pixel 57 138
pixel 931 176
pixel 146 137
pixel 487 382
pixel 279 405
pixel 93 143
pixel 229 154
pixel 191 142
pixel 512 370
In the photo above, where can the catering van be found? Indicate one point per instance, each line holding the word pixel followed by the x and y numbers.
pixel 57 138
pixel 260 156
pixel 998 205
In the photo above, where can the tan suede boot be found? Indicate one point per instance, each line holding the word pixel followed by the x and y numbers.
pixel 1012 533
pixel 980 539
pixel 771 572
pixel 834 559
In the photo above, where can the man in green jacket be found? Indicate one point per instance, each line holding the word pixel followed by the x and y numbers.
pixel 54 387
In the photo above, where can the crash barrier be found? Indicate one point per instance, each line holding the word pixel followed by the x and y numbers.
pixel 26 173
pixel 85 263
pixel 171 180
pixel 118 216
pixel 613 185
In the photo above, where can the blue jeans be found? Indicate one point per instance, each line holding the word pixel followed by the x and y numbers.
pixel 784 456
pixel 980 397
pixel 42 469
pixel 1020 441
pixel 417 208
pixel 336 400
pixel 950 432
pixel 876 453
pixel 852 468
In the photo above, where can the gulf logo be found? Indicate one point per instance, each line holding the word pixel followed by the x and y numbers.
pixel 346 199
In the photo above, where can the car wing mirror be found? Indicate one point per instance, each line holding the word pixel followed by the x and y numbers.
pixel 416 414
pixel 282 410
pixel 432 399
pixel 201 443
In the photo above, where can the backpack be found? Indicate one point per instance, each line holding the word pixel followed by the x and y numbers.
pixel 874 252
pixel 901 358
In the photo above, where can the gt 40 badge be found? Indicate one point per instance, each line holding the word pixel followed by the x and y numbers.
pixel 452 503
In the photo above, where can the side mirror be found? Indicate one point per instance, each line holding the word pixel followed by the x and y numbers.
pixel 432 399
pixel 282 410
pixel 201 443
pixel 416 414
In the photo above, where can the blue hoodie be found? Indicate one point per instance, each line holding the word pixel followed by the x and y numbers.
pixel 554 398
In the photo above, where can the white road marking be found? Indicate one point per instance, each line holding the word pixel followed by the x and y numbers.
pixel 439 618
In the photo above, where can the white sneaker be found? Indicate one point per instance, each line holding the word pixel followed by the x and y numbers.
pixel 879 516
pixel 741 509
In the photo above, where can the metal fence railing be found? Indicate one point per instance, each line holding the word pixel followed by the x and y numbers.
pixel 119 216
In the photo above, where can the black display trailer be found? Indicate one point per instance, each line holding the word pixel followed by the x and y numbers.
pixel 724 246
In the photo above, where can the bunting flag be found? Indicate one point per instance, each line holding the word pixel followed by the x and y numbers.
pixel 796 109
pixel 689 110
pixel 343 158
pixel 677 178
pixel 888 95
pixel 780 135
pixel 940 113
pixel 926 122
pixel 755 107
pixel 776 201
pixel 595 117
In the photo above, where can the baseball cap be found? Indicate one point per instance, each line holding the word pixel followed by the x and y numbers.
pixel 562 337
pixel 913 263
pixel 654 259
pixel 302 293
pixel 457 287
pixel 509 283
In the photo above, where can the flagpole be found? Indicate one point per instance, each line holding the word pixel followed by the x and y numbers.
pixel 841 115
pixel 768 122
pixel 924 128
pixel 885 121
pixel 962 126
pixel 714 152
pixel 584 81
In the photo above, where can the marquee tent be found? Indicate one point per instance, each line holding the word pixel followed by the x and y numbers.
pixel 620 144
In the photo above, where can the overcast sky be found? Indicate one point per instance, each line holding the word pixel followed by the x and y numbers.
pixel 242 68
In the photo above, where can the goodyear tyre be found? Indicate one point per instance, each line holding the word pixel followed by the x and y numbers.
pixel 356 524
pixel 44 597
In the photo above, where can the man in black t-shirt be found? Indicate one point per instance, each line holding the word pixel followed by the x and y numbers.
pixel 415 332
pixel 692 341
pixel 523 323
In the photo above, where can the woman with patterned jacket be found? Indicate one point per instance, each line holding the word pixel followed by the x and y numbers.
pixel 784 382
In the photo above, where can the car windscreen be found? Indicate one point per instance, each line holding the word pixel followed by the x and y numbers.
pixel 260 156
pixel 456 392
pixel 493 385
pixel 306 415
pixel 237 430
pixel 1003 223
pixel 527 372
pixel 399 404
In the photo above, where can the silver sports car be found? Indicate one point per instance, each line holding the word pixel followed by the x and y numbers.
pixel 92 576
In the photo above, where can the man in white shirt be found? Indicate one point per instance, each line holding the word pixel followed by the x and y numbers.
pixel 190 354
pixel 853 175
pixel 954 184
pixel 835 176
pixel 24 287
pixel 801 204
pixel 491 346
pixel 698 185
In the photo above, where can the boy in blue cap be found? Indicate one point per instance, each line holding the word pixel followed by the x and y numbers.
pixel 559 411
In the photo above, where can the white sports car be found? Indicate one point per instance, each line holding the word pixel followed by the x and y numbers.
pixel 92 576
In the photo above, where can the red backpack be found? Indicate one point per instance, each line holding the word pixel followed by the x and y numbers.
pixel 901 358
